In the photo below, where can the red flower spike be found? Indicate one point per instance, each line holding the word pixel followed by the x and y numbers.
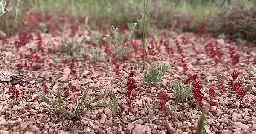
pixel 14 92
pixel 198 95
pixel 45 87
pixel 212 92
pixel 131 85
pixel 221 87
pixel 235 75
pixel 163 96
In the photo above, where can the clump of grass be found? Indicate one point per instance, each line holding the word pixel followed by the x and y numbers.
pixel 181 93
pixel 113 104
pixel 94 57
pixel 155 74
pixel 151 113
pixel 81 105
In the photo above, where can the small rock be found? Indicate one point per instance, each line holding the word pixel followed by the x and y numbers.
pixel 63 132
pixel 108 112
pixel 162 132
pixel 34 128
pixel 147 129
pixel 4 132
pixel 34 96
pixel 2 121
pixel 108 123
pixel 240 125
pixel 23 125
pixel 139 129
pixel 235 116
pixel 103 118
pixel 207 129
pixel 237 132
pixel 130 127
pixel 27 132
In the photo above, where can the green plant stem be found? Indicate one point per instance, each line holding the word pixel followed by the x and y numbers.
pixel 144 28
pixel 200 125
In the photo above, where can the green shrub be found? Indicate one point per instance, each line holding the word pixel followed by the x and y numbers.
pixel 181 93
pixel 155 74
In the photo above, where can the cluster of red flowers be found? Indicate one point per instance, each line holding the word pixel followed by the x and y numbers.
pixel 236 85
pixel 39 43
pixel 168 49
pixel 212 96
pixel 72 68
pixel 213 51
pixel 201 29
pixel 135 47
pixel 14 92
pixel 234 56
pixel 131 85
pixel 183 63
pixel 151 48
pixel 116 66
pixel 74 29
pixel 221 86
pixel 107 47
pixel 198 95
pixel 23 40
pixel 163 99
pixel 45 87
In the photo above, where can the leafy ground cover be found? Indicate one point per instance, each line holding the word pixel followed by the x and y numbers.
pixel 74 79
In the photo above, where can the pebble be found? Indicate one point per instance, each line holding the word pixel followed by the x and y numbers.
pixel 235 116
pixel 139 129
pixel 108 123
pixel 34 128
pixel 240 125
pixel 130 127
pixel 108 112
pixel 4 132
pixel 103 118
pixel 2 121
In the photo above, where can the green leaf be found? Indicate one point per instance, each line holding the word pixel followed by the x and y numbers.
pixel 82 100
pixel 170 109
pixel 101 96
pixel 200 125
pixel 100 105
pixel 164 68
pixel 180 93
pixel 246 87
pixel 113 104
pixel 80 107
pixel 151 113
pixel 44 99
pixel 59 97
pixel 56 62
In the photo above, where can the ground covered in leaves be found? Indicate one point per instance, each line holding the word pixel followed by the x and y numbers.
pixel 36 68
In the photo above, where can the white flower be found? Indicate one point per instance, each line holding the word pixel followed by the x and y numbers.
pixel 3 9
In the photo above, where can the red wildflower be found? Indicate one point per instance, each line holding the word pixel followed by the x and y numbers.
pixel 131 85
pixel 45 87
pixel 163 96
pixel 14 92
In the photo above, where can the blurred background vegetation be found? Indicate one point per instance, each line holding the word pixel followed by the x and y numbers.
pixel 215 16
